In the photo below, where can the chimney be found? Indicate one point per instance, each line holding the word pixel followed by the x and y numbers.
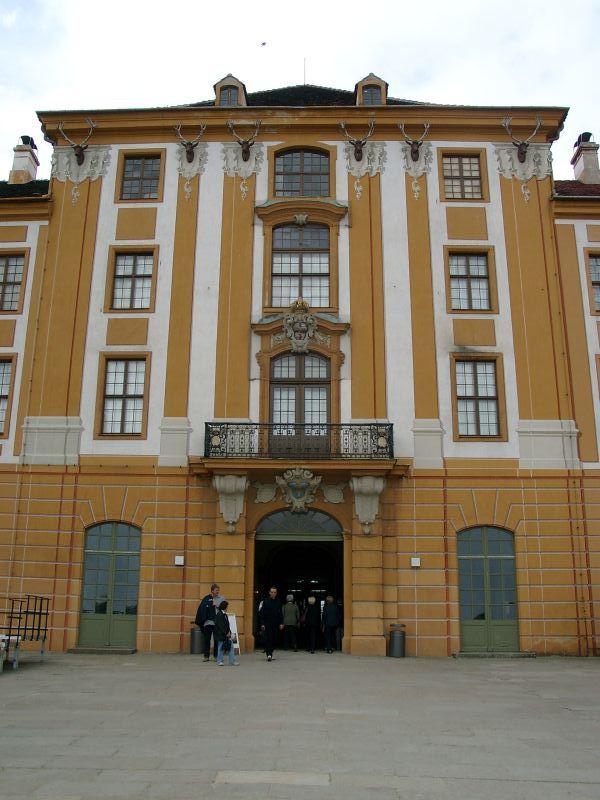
pixel 25 163
pixel 585 160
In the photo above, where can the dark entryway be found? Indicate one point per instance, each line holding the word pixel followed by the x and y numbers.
pixel 300 554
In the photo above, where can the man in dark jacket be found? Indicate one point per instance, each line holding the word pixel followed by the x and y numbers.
pixel 331 621
pixel 271 620
pixel 205 618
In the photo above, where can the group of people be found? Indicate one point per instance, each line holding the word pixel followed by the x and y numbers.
pixel 212 619
pixel 274 617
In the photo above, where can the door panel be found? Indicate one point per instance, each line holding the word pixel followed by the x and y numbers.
pixel 487 591
pixel 110 586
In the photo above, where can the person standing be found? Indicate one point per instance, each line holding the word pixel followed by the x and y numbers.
pixel 291 622
pixel 312 620
pixel 223 636
pixel 205 618
pixel 271 620
pixel 331 621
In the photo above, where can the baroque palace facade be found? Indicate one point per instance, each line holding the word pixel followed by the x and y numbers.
pixel 322 339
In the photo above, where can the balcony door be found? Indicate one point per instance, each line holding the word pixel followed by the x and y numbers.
pixel 300 405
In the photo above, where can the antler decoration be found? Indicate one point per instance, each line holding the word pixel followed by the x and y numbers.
pixel 78 149
pixel 189 146
pixel 520 144
pixel 358 144
pixel 245 144
pixel 415 144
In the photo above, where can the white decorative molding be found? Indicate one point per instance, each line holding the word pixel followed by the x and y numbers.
pixel 537 164
pixel 51 440
pixel 65 167
pixel 417 168
pixel 231 490
pixel 298 488
pixel 548 444
pixel 428 437
pixel 265 492
pixel 174 442
pixel 372 162
pixel 189 170
pixel 333 492
pixel 234 164
pixel 366 490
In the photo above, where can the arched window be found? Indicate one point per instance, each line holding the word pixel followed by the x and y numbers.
pixel 300 403
pixel 302 173
pixel 300 265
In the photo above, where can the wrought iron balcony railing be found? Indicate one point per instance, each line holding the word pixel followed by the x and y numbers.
pixel 298 441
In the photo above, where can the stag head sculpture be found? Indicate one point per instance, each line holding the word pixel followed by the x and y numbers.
pixel 521 144
pixel 358 144
pixel 189 146
pixel 415 144
pixel 78 149
pixel 245 144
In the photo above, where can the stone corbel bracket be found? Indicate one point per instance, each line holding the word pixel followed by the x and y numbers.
pixel 189 170
pixel 65 166
pixel 537 164
pixel 372 162
pixel 233 163
pixel 417 168
pixel 366 499
pixel 231 490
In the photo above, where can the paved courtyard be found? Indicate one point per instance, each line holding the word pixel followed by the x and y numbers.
pixel 304 726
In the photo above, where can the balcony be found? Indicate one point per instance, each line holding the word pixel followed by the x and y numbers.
pixel 298 441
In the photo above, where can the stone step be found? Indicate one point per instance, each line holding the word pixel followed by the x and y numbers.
pixel 524 654
pixel 101 651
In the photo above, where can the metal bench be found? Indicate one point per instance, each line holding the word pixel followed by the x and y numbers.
pixel 25 619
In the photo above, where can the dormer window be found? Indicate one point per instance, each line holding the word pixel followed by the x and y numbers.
pixel 371 95
pixel 230 92
pixel 229 96
pixel 371 91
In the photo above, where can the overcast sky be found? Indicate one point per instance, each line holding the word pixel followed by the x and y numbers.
pixel 73 54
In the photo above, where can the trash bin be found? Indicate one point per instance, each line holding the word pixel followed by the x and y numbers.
pixel 196 641
pixel 397 640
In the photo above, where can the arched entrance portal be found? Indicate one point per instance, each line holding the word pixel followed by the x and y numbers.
pixel 300 554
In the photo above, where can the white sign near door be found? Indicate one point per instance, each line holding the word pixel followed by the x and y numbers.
pixel 234 633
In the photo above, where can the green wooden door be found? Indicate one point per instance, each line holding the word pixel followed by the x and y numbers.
pixel 487 591
pixel 110 586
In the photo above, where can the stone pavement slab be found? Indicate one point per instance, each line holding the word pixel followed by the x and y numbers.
pixel 92 727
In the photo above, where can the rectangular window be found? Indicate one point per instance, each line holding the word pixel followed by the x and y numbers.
pixel 132 281
pixel 124 396
pixel 6 371
pixel 594 265
pixel 371 95
pixel 476 387
pixel 229 96
pixel 12 267
pixel 462 177
pixel 300 265
pixel 141 177
pixel 469 282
